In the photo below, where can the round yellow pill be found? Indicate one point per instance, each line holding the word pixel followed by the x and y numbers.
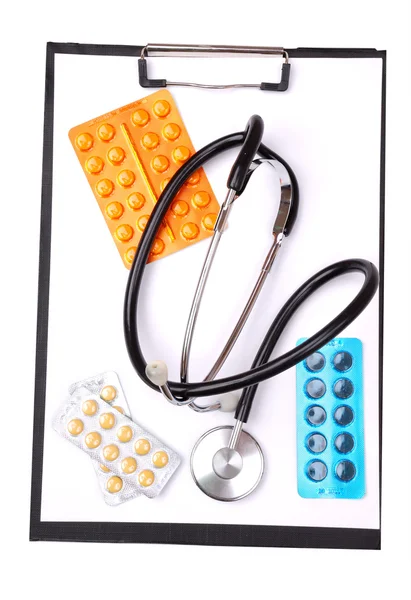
pixel 181 154
pixel 190 231
pixel 129 465
pixel 160 163
pixel 160 459
pixel 150 141
pixel 136 201
pixel 111 452
pixel 209 221
pixel 201 199
pixel 104 469
pixel 84 141
pixel 124 233
pixel 114 484
pixel 161 108
pixel 142 222
pixel 146 478
pixel 116 155
pixel 94 165
pixel 130 254
pixel 104 188
pixel 171 131
pixel 108 393
pixel 157 247
pixel 180 208
pixel 140 117
pixel 125 433
pixel 106 132
pixel 194 179
pixel 89 407
pixel 93 440
pixel 126 178
pixel 107 420
pixel 75 426
pixel 164 183
pixel 142 447
pixel 114 210
pixel 120 409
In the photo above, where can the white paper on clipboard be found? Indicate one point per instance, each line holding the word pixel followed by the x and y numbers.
pixel 330 134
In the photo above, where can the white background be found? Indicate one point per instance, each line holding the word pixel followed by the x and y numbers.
pixel 241 571
pixel 338 219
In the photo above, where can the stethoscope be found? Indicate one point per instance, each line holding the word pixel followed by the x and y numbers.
pixel 227 463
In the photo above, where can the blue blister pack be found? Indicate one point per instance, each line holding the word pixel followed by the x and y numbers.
pixel 330 422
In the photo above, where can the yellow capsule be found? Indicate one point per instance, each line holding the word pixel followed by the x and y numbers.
pixel 114 210
pixel 124 233
pixel 104 469
pixel 89 407
pixel 160 459
pixel 111 452
pixel 129 256
pixel 94 165
pixel 126 178
pixel 84 141
pixel 190 231
pixel 125 433
pixel 116 155
pixel 107 420
pixel 160 163
pixel 150 141
pixel 106 132
pixel 209 221
pixel 142 447
pixel 201 199
pixel 129 465
pixel 136 201
pixel 114 484
pixel 104 187
pixel 158 247
pixel 108 393
pixel 75 426
pixel 180 208
pixel 181 154
pixel 146 478
pixel 120 409
pixel 171 131
pixel 93 440
pixel 140 117
pixel 161 108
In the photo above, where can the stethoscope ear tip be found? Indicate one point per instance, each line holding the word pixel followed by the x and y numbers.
pixel 157 372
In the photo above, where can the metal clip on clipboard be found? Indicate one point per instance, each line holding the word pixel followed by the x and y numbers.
pixel 195 51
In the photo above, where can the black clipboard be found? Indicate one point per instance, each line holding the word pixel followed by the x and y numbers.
pixel 174 533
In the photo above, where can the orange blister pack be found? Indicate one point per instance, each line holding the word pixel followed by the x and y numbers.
pixel 129 155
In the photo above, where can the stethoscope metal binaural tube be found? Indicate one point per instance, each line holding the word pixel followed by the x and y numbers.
pixel 278 235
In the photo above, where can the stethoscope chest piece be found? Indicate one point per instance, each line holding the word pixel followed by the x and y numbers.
pixel 225 473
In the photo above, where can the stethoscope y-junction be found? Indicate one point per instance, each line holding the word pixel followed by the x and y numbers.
pixel 227 462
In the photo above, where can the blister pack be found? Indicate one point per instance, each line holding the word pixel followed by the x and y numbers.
pixel 107 385
pixel 138 461
pixel 128 156
pixel 330 422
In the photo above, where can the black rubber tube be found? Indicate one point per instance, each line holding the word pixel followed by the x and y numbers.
pixel 262 370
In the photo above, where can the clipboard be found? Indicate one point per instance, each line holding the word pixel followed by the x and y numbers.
pixel 208 524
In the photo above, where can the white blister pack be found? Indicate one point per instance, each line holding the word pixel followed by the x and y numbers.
pixel 139 463
pixel 107 385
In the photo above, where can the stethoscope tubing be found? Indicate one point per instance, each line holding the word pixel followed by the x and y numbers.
pixel 262 368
